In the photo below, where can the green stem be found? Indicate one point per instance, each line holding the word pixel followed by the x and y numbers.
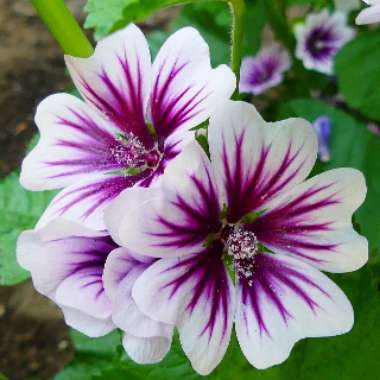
pixel 64 27
pixel 237 9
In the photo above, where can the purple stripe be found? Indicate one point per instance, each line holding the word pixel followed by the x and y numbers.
pixel 249 188
pixel 271 279
pixel 199 218
pixel 206 271
pixel 167 113
pixel 122 103
pixel 96 194
pixel 291 226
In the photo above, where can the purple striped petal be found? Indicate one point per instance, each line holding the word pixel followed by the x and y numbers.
pixel 196 294
pixel 75 140
pixel 255 160
pixel 288 301
pixel 86 200
pixel 116 79
pixel 145 340
pixel 173 219
pixel 185 87
pixel 313 222
pixel 66 262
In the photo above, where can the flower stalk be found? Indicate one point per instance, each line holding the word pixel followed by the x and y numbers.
pixel 238 10
pixel 64 27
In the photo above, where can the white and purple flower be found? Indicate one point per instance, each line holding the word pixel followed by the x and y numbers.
pixel 320 38
pixel 369 15
pixel 79 269
pixel 249 211
pixel 265 70
pixel 135 119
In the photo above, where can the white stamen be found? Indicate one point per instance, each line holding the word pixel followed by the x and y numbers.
pixel 242 245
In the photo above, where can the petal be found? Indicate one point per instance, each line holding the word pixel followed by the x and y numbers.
pixel 66 263
pixel 121 271
pixel 117 79
pixel 75 140
pixel 288 301
pixel 51 253
pixel 174 218
pixel 83 290
pixel 313 222
pixel 86 200
pixel 86 324
pixel 146 350
pixel 256 160
pixel 370 15
pixel 186 89
pixel 196 294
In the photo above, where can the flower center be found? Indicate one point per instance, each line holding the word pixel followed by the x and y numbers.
pixel 242 246
pixel 130 152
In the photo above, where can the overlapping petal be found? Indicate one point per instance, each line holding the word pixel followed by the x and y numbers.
pixel 186 88
pixel 171 220
pixel 256 160
pixel 196 294
pixel 65 258
pixel 85 201
pixel 288 301
pixel 145 340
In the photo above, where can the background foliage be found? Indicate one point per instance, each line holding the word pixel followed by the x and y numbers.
pixel 304 94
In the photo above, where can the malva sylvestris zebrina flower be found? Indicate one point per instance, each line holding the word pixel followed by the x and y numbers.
pixel 320 38
pixel 248 210
pixel 369 15
pixel 135 118
pixel 265 70
pixel 68 263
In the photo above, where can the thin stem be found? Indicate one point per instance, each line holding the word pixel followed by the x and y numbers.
pixel 237 9
pixel 64 27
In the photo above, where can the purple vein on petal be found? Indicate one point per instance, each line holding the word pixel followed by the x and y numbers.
pixel 272 278
pixel 210 285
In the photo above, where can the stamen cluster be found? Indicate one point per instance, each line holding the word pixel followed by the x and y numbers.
pixel 242 245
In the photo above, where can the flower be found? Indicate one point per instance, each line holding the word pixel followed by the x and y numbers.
pixel 67 263
pixel 135 119
pixel 264 71
pixel 320 39
pixel 371 14
pixel 322 127
pixel 249 211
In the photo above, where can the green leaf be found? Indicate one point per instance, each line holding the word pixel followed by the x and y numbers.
pixel 105 346
pixel 19 210
pixel 92 356
pixel 102 15
pixel 358 72
pixel 105 16
pixel 352 145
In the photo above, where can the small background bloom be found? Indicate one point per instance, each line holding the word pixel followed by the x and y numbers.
pixel 265 70
pixel 320 38
pixel 322 127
